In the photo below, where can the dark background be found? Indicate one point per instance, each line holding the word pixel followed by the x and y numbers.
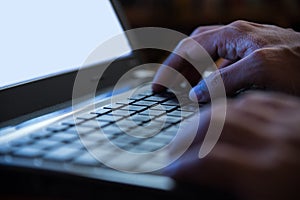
pixel 186 15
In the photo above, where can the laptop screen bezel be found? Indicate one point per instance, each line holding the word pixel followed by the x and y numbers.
pixel 18 103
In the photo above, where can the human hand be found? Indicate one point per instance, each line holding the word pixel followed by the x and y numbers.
pixel 257 154
pixel 258 55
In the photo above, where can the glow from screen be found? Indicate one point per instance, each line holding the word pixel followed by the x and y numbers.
pixel 42 38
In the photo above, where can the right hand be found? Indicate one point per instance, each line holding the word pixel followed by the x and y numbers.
pixel 255 54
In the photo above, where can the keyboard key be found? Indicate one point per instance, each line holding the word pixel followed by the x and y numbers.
pixel 41 134
pixel 165 108
pixel 103 152
pixel 184 99
pixel 63 137
pixel 83 144
pixel 124 113
pixel 87 159
pixel 161 138
pixel 157 125
pixel 126 124
pixel 145 103
pixel 134 108
pixel 5 149
pixel 124 139
pixel 113 129
pixel 166 94
pixel 146 147
pixel 113 106
pixel 100 111
pixel 94 124
pixel 45 144
pixel 171 103
pixel 87 116
pixel 57 127
pixel 72 122
pixel 21 141
pixel 136 97
pixel 109 118
pixel 151 145
pixel 170 131
pixel 89 124
pixel 169 119
pixel 153 113
pixel 80 129
pixel 141 118
pixel 146 93
pixel 96 137
pixel 143 131
pixel 63 154
pixel 29 152
pixel 181 113
pixel 157 99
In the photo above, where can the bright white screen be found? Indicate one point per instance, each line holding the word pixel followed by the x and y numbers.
pixel 43 37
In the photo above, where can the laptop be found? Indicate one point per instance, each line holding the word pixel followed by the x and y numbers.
pixel 62 139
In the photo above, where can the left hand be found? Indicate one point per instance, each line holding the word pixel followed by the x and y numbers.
pixel 257 155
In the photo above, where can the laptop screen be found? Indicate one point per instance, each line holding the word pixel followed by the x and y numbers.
pixel 43 38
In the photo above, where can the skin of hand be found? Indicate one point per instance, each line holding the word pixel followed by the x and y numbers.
pixel 257 154
pixel 264 56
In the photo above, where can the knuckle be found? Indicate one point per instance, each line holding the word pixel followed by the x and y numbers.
pixel 225 76
pixel 263 59
pixel 240 24
pixel 237 22
pixel 245 28
pixel 198 30
pixel 261 56
pixel 214 80
pixel 184 43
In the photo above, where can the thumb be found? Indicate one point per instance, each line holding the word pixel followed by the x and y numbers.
pixel 235 77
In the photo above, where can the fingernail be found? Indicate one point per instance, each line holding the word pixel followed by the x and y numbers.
pixel 196 93
pixel 199 92
pixel 193 95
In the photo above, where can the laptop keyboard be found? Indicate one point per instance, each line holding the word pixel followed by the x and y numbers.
pixel 120 122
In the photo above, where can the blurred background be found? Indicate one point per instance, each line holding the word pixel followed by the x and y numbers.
pixel 186 15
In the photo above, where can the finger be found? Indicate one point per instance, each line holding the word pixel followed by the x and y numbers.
pixel 203 29
pixel 274 100
pixel 221 63
pixel 269 107
pixel 259 106
pixel 235 77
pixel 181 65
pixel 227 42
pixel 163 74
pixel 243 129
